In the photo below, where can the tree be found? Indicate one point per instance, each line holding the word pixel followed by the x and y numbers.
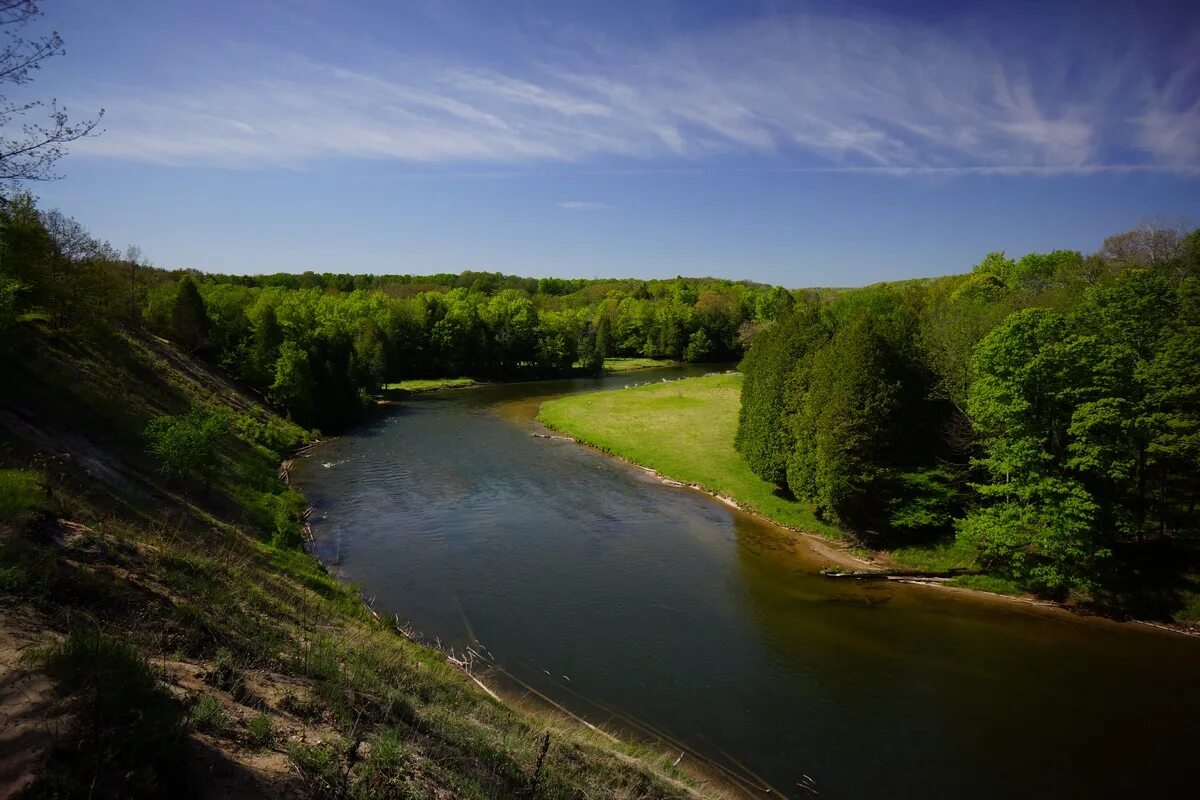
pixel 1172 386
pixel 189 315
pixel 187 445
pixel 764 434
pixel 32 154
pixel 293 385
pixel 845 431
pixel 1153 242
pixel 1036 521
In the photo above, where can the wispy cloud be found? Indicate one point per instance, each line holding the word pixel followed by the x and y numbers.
pixel 803 92
pixel 583 205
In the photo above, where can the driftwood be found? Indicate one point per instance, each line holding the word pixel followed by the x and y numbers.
pixel 880 575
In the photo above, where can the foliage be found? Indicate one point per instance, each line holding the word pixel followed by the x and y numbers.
pixel 187 445
pixel 772 367
pixel 1045 408
pixel 260 730
pixel 189 316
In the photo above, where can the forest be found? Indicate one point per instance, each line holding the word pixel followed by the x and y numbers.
pixel 319 346
pixel 1044 411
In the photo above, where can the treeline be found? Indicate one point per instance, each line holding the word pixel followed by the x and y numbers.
pixel 318 346
pixel 1046 411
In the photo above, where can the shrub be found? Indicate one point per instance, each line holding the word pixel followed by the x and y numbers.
pixel 187 444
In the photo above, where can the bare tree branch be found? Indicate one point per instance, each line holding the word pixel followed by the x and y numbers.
pixel 31 154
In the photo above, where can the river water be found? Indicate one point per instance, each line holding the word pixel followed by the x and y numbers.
pixel 661 611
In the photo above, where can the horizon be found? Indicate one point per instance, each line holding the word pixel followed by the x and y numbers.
pixel 797 144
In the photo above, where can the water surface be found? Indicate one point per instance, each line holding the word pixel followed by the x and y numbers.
pixel 658 608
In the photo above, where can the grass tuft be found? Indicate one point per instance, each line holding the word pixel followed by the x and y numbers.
pixel 21 495
pixel 208 715
pixel 261 731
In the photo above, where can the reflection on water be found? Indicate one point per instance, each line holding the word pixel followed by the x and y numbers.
pixel 656 608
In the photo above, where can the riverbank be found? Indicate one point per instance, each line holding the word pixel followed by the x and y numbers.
pixel 636 364
pixel 683 431
pixel 202 645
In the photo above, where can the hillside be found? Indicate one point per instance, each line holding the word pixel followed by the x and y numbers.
pixel 163 637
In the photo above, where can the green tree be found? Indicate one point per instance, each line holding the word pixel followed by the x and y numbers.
pixel 1172 386
pixel 187 445
pixel 1036 521
pixel 292 388
pixel 189 315
pixel 846 428
pixel 765 435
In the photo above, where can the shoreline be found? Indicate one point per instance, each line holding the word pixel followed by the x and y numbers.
pixel 841 557
pixel 702 769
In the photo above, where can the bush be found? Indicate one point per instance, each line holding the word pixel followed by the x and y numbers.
pixel 187 444
pixel 278 516
pixel 21 494
pixel 278 437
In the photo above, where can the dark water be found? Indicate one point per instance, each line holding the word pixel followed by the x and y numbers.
pixel 672 612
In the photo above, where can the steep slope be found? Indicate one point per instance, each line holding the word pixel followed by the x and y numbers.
pixel 166 637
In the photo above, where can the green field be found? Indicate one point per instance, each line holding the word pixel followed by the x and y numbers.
pixel 631 364
pixel 429 384
pixel 684 430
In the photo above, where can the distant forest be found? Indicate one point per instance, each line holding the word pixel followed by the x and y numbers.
pixel 319 346
pixel 1045 410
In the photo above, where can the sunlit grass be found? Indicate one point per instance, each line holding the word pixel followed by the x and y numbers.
pixel 429 384
pixel 941 556
pixel 631 364
pixel 21 494
pixel 683 429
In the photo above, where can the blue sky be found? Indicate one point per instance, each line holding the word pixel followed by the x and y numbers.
pixel 801 143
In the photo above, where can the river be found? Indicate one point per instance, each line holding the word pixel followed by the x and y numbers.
pixel 655 608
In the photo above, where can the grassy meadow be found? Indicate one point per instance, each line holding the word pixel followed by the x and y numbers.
pixel 632 364
pixel 429 384
pixel 685 429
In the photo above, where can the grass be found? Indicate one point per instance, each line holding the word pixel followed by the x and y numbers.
pixel 631 364
pixel 987 583
pixel 260 730
pixel 21 494
pixel 205 587
pixel 131 736
pixel 940 556
pixel 208 715
pixel 429 384
pixel 683 429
